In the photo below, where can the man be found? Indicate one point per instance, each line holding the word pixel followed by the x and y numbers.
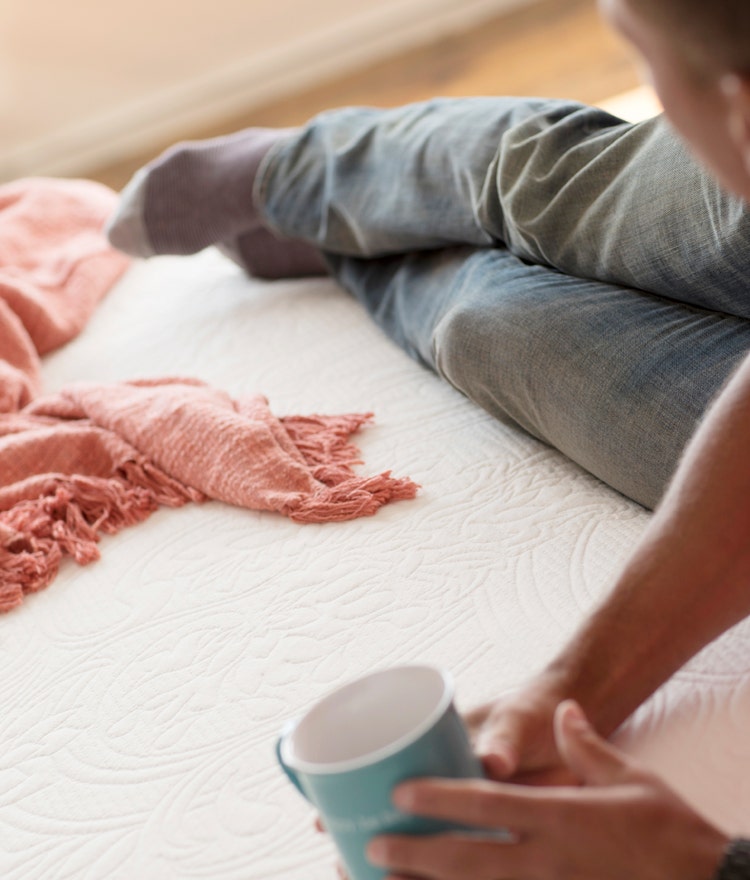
pixel 686 583
pixel 586 278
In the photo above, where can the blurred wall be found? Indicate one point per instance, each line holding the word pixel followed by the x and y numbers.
pixel 84 82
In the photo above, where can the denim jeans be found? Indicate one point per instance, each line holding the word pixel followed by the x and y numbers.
pixel 575 273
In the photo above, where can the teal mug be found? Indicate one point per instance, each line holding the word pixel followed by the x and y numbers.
pixel 350 750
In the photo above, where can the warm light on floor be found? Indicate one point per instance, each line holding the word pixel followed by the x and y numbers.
pixel 634 105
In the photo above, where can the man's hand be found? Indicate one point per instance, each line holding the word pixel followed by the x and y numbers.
pixel 514 735
pixel 621 823
pixel 514 738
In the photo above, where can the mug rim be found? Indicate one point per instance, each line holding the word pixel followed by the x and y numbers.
pixel 331 768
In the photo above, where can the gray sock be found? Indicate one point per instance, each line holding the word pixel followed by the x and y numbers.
pixel 264 254
pixel 198 194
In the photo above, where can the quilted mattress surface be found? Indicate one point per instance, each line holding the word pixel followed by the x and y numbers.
pixel 142 695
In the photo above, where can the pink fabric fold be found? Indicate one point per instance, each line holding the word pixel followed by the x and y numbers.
pixel 93 459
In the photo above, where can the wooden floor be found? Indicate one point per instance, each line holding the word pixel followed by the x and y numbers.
pixel 555 48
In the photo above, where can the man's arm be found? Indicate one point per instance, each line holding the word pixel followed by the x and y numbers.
pixel 687 582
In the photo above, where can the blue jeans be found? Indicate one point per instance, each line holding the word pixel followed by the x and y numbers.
pixel 575 273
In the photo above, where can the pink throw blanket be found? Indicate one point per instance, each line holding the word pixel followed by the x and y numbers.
pixel 93 459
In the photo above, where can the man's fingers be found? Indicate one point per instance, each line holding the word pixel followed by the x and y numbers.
pixel 498 760
pixel 482 803
pixel 475 718
pixel 449 857
pixel 496 742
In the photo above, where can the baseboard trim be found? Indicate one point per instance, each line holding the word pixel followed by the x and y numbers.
pixel 137 128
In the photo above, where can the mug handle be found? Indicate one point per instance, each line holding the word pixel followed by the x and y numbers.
pixel 291 774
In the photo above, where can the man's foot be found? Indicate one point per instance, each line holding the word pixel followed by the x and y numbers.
pixel 200 193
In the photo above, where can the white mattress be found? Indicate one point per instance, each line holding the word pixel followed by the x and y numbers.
pixel 142 695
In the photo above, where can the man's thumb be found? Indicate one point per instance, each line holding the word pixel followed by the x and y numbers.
pixel 592 760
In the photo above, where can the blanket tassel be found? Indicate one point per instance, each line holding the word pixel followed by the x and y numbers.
pixel 36 533
pixel 352 498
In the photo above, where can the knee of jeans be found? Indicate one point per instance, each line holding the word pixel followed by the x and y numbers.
pixel 533 362
pixel 548 170
pixel 483 350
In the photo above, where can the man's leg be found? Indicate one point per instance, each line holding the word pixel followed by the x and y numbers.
pixel 614 378
pixel 558 183
pixel 201 193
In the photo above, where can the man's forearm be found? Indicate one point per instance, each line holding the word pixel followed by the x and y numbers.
pixel 687 582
